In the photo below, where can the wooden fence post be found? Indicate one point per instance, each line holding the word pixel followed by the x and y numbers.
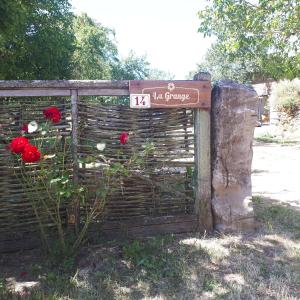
pixel 202 129
pixel 74 208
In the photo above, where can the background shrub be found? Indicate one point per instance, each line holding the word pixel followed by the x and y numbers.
pixel 286 97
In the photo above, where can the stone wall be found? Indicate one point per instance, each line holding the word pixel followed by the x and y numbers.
pixel 233 122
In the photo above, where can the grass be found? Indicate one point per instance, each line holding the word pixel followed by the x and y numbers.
pixel 273 139
pixel 278 216
pixel 262 265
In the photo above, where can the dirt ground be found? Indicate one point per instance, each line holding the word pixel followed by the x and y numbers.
pixel 276 172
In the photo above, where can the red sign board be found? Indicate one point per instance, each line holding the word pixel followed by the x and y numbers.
pixel 170 94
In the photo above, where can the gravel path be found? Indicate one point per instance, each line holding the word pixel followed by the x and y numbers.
pixel 276 172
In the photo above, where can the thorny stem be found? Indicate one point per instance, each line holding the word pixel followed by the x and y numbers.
pixel 41 226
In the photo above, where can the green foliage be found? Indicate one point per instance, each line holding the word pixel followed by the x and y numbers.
pixel 155 258
pixel 209 283
pixel 10 13
pixel 275 215
pixel 2 287
pixel 131 67
pixel 223 66
pixel 36 40
pixel 44 40
pixel 96 51
pixel 265 34
pixel 157 74
pixel 63 259
pixel 134 252
pixel 137 67
pixel 286 97
pixel 96 55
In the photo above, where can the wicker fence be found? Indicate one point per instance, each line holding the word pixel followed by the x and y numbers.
pixel 171 194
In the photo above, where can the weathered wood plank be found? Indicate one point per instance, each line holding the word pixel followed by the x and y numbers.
pixel 33 92
pixel 65 84
pixel 74 212
pixel 147 221
pixel 17 244
pixel 103 92
pixel 138 226
pixel 197 161
pixel 203 168
pixel 205 215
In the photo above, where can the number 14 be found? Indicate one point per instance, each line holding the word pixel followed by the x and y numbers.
pixel 140 101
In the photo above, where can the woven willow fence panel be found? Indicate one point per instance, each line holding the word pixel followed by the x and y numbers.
pixel 164 187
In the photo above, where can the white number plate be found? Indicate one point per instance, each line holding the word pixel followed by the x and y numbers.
pixel 140 101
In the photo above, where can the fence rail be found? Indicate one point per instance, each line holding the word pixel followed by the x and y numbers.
pixel 40 88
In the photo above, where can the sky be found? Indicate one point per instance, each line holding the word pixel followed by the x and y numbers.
pixel 163 30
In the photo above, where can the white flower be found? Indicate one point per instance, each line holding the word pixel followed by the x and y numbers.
pixel 49 156
pixel 101 146
pixel 32 126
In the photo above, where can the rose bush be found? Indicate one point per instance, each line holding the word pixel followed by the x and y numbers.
pixel 21 145
pixel 44 162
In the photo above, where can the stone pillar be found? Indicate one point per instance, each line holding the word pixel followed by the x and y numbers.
pixel 233 121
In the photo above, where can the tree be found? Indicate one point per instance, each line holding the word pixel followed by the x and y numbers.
pixel 44 40
pixel 96 51
pixel 138 67
pixel 265 33
pixel 223 66
pixel 131 67
pixel 10 14
pixel 37 43
pixel 96 55
pixel 157 74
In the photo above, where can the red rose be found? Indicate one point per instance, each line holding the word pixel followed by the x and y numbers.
pixel 52 114
pixel 23 274
pixel 18 144
pixel 24 127
pixel 31 154
pixel 124 138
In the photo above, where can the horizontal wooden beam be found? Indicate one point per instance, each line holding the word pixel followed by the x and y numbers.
pixel 64 84
pixel 133 228
pixel 36 92
pixel 139 227
pixel 103 92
